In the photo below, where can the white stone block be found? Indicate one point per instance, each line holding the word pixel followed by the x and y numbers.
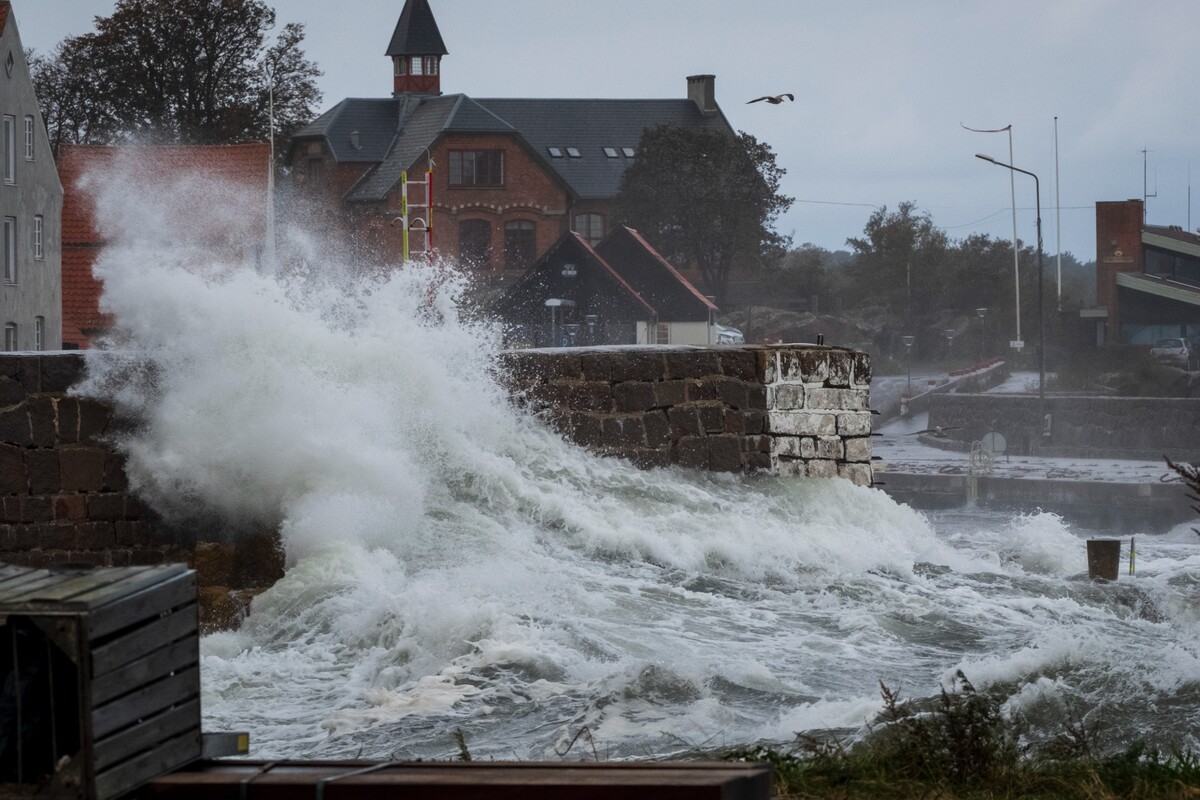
pixel 801 423
pixel 859 474
pixel 785 396
pixel 854 423
pixel 858 449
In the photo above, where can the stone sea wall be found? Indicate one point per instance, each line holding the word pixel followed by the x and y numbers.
pixel 797 410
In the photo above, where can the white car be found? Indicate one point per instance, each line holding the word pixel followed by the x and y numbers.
pixel 728 335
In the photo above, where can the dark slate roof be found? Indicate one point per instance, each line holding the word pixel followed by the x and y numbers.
pixel 374 120
pixel 416 32
pixel 427 119
pixel 1175 232
pixel 592 125
pixel 653 278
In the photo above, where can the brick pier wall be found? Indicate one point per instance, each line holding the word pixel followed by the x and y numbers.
pixel 794 410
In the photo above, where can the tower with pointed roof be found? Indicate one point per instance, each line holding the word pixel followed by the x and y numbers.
pixel 416 51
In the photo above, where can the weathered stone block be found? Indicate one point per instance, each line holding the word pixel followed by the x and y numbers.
pixel 822 468
pixel 733 392
pixel 580 395
pixel 638 366
pixel 858 449
pixel 109 506
pixel 702 391
pixel 598 366
pixel 14 426
pixel 801 423
pixel 14 478
pixel 213 562
pixel 756 397
pixel 38 508
pixel 624 431
pixel 69 507
pixel 96 535
pixel 115 479
pixel 838 399
pixel 830 447
pixel 692 363
pixel 785 396
pixel 68 420
pixel 58 537
pixel 692 451
pixel 755 421
pixel 93 421
pixel 712 417
pixel 22 369
pixel 60 372
pixel 856 423
pixel 670 393
pixel 839 369
pixel 757 461
pixel 634 396
pixel 725 454
pixel 11 392
pixel 808 447
pixel 757 444
pixel 859 474
pixel 8 538
pixel 82 468
pixel 584 428
pixel 10 509
pixel 860 370
pixel 810 365
pixel 788 446
pixel 739 364
pixel 735 421
pixel 42 421
pixel 767 366
pixel 685 421
pixel 791 468
pixel 658 429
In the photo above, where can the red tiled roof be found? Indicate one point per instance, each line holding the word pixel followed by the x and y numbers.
pixel 242 166
pixel 671 269
pixel 4 7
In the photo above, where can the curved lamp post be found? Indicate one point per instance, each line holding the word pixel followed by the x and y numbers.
pixel 1037 187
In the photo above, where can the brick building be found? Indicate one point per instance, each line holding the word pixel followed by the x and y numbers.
pixel 240 170
pixel 510 175
pixel 1147 277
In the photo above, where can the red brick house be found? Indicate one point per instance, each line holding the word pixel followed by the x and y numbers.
pixel 510 175
pixel 240 168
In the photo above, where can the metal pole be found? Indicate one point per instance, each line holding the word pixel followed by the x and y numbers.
pixel 1012 187
pixel 1057 216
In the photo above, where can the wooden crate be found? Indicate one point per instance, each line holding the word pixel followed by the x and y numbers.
pixel 99 678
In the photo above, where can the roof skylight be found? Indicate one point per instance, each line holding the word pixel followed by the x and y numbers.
pixel 555 152
pixel 573 152
pixel 628 151
pixel 611 152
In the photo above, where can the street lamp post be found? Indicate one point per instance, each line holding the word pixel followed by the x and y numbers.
pixel 982 312
pixel 1037 188
pixel 908 344
pixel 949 334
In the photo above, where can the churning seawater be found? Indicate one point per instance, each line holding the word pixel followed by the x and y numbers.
pixel 453 565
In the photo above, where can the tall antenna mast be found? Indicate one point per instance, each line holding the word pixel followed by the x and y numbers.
pixel 1057 215
pixel 1146 195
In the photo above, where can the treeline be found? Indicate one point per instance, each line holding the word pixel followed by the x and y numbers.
pixel 904 276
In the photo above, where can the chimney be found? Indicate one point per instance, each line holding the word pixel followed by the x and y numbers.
pixel 701 92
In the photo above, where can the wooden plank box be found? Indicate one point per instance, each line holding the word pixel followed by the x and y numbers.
pixel 99 679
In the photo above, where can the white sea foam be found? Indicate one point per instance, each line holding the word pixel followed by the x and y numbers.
pixel 453 564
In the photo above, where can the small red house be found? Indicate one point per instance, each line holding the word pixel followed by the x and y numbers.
pixel 242 168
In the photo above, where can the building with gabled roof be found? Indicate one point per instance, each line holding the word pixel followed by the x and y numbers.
pixel 240 169
pixel 510 175
pixel 619 292
pixel 31 198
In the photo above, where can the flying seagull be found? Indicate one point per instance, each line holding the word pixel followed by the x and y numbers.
pixel 772 99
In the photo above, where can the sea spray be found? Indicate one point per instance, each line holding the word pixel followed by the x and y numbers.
pixel 455 565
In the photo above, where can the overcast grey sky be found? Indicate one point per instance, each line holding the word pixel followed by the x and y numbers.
pixel 881 89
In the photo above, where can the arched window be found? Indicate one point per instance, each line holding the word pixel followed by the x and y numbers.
pixel 520 244
pixel 475 243
pixel 590 227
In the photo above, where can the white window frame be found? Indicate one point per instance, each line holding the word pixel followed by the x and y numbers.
pixel 10 337
pixel 10 149
pixel 417 66
pixel 29 137
pixel 39 229
pixel 10 250
pixel 39 333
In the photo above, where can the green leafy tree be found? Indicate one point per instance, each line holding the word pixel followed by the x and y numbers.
pixel 706 198
pixel 177 71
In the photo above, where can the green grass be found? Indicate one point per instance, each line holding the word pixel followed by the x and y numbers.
pixel 960 746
